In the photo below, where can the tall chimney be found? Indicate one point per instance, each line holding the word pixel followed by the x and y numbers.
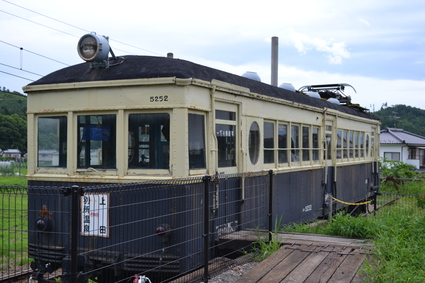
pixel 275 47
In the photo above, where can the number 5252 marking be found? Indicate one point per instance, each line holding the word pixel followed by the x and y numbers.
pixel 160 98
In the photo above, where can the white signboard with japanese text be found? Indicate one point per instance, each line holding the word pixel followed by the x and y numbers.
pixel 95 215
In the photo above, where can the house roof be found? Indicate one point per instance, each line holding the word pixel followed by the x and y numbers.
pixel 400 136
pixel 12 151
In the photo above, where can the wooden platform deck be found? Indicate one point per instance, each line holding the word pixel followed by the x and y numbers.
pixel 311 258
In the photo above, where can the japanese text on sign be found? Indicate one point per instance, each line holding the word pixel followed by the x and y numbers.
pixel 94 215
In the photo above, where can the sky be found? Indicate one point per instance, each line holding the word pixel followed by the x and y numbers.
pixel 376 46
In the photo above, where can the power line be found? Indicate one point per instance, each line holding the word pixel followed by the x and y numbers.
pixel 45 16
pixel 45 57
pixel 20 69
pixel 62 22
pixel 16 76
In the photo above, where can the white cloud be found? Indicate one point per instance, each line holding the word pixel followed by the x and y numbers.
pixel 364 21
pixel 336 51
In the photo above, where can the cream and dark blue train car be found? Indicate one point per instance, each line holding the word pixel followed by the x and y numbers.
pixel 132 119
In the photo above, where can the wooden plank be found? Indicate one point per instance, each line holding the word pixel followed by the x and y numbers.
pixel 302 271
pixel 286 265
pixel 261 269
pixel 327 267
pixel 348 268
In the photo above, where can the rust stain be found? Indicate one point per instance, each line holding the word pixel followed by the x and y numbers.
pixel 45 211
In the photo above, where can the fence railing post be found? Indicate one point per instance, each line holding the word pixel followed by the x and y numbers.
pixel 70 273
pixel 206 179
pixel 270 212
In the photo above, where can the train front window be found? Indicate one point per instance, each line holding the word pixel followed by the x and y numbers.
pixel 196 141
pixel 52 141
pixel 96 141
pixel 149 141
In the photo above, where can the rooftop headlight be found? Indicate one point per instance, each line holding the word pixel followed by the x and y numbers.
pixel 93 48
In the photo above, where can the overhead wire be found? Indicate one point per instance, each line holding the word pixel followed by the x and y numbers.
pixel 16 76
pixel 65 23
pixel 52 28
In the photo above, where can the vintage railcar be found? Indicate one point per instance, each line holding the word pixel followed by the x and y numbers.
pixel 132 119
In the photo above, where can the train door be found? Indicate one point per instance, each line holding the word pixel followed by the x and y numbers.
pixel 228 191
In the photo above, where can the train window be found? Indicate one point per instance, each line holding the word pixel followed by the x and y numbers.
pixel 306 143
pixel 361 145
pixel 254 142
pixel 372 144
pixel 350 134
pixel 328 146
pixel 356 145
pixel 225 115
pixel 96 141
pixel 339 144
pixel 196 141
pixel 149 141
pixel 315 143
pixel 295 143
pixel 344 143
pixel 52 141
pixel 283 143
pixel 367 145
pixel 268 142
pixel 226 138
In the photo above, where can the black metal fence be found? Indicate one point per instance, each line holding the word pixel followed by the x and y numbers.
pixel 180 231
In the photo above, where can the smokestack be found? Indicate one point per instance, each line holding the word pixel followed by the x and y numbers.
pixel 275 47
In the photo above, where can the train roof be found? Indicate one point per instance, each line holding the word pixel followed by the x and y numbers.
pixel 142 67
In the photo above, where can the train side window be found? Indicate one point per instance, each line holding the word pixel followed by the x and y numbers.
pixel 52 141
pixel 295 143
pixel 356 145
pixel 306 143
pixel 268 142
pixel 149 141
pixel 96 141
pixel 196 141
pixel 372 144
pixel 361 145
pixel 283 143
pixel 350 134
pixel 315 143
pixel 367 145
pixel 339 144
pixel 254 142
pixel 345 143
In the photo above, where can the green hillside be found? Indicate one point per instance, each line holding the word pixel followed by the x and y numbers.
pixel 13 121
pixel 404 117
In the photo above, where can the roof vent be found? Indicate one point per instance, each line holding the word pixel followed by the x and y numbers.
pixel 334 100
pixel 287 86
pixel 313 94
pixel 252 75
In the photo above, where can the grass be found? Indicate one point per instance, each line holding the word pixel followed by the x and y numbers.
pixel 8 176
pixel 396 231
pixel 13 221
